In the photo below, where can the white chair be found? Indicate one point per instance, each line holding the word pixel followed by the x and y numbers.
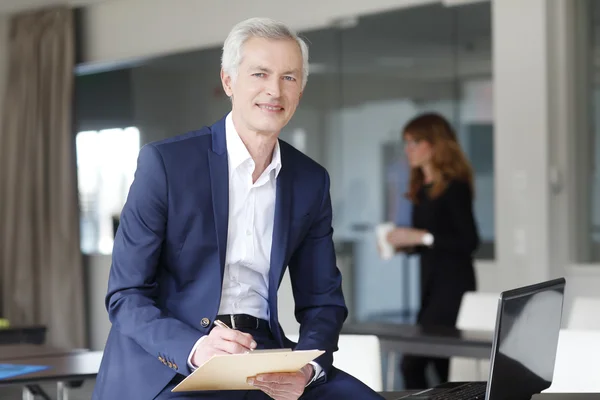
pixel 360 356
pixel 577 366
pixel 584 314
pixel 477 312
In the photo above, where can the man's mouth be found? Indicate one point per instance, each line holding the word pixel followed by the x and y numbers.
pixel 270 107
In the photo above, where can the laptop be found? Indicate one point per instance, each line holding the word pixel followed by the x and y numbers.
pixel 523 350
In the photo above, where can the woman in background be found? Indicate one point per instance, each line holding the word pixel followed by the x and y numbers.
pixel 443 231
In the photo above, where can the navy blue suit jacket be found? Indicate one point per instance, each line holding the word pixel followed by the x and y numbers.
pixel 169 257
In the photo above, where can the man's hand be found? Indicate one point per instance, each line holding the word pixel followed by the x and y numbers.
pixel 284 386
pixel 222 341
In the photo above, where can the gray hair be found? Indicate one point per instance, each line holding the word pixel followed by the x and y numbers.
pixel 258 27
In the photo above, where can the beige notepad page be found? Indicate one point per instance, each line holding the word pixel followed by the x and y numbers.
pixel 229 372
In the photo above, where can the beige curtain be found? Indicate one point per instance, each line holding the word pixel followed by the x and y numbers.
pixel 41 277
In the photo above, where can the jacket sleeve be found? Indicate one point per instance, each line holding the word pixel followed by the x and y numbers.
pixel 133 282
pixel 317 286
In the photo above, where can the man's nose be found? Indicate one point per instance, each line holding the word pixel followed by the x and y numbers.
pixel 274 87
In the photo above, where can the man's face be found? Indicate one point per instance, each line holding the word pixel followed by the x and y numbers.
pixel 268 85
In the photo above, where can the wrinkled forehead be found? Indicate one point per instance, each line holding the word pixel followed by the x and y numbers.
pixel 274 55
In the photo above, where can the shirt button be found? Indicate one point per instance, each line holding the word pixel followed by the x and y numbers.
pixel 248 233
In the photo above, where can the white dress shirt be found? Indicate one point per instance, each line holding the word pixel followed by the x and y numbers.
pixel 250 230
pixel 250 233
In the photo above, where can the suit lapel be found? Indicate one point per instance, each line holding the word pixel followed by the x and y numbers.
pixel 281 228
pixel 219 179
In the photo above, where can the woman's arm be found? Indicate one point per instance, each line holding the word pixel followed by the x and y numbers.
pixel 405 239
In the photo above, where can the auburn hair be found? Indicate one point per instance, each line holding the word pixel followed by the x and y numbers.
pixel 448 160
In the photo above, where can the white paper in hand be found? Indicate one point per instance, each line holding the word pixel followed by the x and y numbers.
pixel 386 250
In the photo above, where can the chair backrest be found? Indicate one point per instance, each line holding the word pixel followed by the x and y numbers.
pixel 584 314
pixel 577 366
pixel 477 312
pixel 359 356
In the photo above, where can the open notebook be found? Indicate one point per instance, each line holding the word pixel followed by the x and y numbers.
pixel 229 372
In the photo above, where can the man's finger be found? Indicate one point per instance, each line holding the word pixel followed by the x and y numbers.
pixel 279 378
pixel 230 347
pixel 233 335
pixel 283 391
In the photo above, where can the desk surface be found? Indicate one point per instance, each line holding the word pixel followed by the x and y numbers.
pixel 434 341
pixel 417 332
pixel 541 396
pixel 34 334
pixel 74 366
pixel 25 350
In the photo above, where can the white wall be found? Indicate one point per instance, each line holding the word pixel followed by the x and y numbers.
pixel 133 29
pixel 534 136
pixel 521 143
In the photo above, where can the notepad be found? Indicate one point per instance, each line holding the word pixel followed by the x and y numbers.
pixel 12 370
pixel 229 372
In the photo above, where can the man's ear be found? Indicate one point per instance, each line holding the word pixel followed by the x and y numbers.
pixel 227 82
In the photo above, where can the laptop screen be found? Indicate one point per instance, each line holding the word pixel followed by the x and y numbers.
pixel 524 351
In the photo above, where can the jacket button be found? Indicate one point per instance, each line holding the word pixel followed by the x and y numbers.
pixel 205 322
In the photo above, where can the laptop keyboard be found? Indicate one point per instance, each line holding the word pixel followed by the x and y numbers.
pixel 469 391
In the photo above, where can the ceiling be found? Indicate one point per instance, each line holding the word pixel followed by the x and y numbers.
pixel 13 6
pixel 421 41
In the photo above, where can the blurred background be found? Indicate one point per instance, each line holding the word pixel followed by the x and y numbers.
pixel 517 79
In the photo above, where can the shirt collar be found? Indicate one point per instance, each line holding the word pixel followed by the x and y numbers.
pixel 237 152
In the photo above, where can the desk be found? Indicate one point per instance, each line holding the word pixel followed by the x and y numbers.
pixel 76 366
pixel 24 351
pixel 541 396
pixel 35 334
pixel 430 341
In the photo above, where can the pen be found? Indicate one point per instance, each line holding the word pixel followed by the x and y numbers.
pixel 221 324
